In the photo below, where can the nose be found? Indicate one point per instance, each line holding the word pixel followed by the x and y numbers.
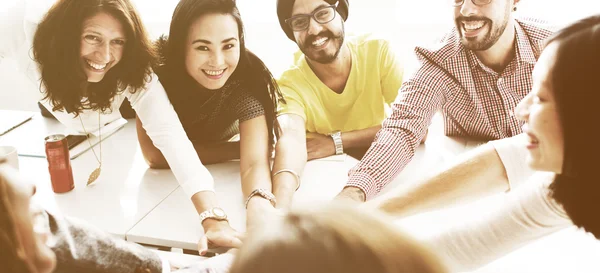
pixel 217 59
pixel 468 8
pixel 314 27
pixel 522 109
pixel 103 52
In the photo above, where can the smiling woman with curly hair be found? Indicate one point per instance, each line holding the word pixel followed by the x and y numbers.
pixel 68 32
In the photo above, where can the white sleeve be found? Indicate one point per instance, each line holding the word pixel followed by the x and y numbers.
pixel 166 266
pixel 164 128
pixel 513 153
pixel 527 214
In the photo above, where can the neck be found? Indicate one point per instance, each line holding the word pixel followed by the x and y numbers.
pixel 338 68
pixel 502 52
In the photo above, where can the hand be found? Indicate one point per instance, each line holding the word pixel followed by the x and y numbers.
pixel 352 194
pixel 319 146
pixel 259 212
pixel 218 234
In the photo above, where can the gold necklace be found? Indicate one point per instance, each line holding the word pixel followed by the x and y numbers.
pixel 96 173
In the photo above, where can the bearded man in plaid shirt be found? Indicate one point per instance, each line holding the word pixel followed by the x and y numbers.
pixel 475 77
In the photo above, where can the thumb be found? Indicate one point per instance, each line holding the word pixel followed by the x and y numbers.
pixel 203 245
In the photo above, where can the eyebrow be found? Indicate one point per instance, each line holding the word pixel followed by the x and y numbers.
pixel 100 34
pixel 208 42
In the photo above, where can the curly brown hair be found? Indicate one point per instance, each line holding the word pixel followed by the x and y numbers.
pixel 56 49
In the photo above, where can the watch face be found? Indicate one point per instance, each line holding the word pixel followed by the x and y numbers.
pixel 219 212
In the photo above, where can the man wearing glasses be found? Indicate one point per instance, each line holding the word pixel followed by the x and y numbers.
pixel 475 77
pixel 339 90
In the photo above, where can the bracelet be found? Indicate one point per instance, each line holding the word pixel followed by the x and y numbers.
pixel 292 172
pixel 264 194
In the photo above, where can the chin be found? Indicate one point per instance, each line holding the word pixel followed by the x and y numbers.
pixel 93 80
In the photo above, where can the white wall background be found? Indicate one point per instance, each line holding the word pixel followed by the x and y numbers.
pixel 405 22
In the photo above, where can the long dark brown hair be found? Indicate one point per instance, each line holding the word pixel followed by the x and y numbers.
pixel 576 89
pixel 57 47
pixel 253 73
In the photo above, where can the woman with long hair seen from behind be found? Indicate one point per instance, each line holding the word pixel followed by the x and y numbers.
pixel 91 55
pixel 333 238
pixel 220 89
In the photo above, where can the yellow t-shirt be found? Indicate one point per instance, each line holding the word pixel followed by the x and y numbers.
pixel 375 77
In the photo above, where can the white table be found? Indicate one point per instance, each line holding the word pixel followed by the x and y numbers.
pixel 147 206
pixel 123 194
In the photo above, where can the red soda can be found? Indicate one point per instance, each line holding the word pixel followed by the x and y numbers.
pixel 59 163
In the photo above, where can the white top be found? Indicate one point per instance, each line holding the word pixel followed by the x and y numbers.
pixel 151 105
pixel 528 213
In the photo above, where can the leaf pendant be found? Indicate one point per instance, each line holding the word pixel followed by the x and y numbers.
pixel 93 176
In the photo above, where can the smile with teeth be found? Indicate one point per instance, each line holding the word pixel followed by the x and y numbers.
pixel 320 41
pixel 473 25
pixel 96 66
pixel 213 72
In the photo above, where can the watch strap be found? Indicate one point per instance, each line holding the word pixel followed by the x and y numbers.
pixel 210 214
pixel 337 141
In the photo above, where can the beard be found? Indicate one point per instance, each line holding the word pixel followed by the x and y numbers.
pixel 485 41
pixel 324 55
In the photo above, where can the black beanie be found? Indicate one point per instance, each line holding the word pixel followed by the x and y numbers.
pixel 284 11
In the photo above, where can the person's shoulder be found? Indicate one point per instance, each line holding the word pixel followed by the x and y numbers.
pixel 368 41
pixel 368 38
pixel 536 29
pixel 441 50
pixel 294 75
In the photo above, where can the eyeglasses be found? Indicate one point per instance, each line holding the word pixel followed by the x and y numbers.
pixel 458 3
pixel 322 15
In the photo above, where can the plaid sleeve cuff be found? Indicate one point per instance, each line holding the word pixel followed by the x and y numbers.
pixel 365 183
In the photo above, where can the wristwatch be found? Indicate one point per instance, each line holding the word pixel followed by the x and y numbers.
pixel 264 194
pixel 337 141
pixel 213 213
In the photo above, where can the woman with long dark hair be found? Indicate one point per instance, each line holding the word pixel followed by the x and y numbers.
pixel 220 89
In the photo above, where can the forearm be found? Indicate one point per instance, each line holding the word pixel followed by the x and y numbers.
pixel 208 154
pixel 359 138
pixel 476 174
pixel 290 154
pixel 217 152
pixel 526 214
pixel 257 176
pixel 203 201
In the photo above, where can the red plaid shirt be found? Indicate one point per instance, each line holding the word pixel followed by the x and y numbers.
pixel 475 101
